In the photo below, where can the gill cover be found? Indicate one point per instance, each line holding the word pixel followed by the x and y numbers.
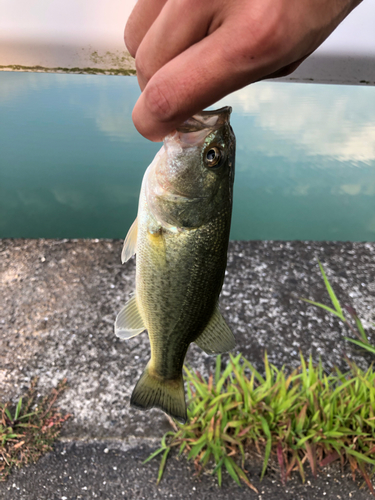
pixel 192 175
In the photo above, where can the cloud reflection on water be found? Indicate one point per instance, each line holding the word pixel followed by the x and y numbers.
pixel 327 120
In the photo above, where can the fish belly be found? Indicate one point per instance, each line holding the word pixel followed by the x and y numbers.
pixel 178 282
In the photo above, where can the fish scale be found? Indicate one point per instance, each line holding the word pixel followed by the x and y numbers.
pixel 191 295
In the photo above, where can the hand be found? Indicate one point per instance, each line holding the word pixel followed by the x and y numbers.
pixel 191 53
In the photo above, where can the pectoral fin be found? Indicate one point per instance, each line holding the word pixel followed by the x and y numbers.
pixel 130 243
pixel 129 322
pixel 217 336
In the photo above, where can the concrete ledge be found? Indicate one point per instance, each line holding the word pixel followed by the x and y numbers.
pixel 59 300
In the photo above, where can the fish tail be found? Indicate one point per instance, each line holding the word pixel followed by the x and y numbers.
pixel 167 395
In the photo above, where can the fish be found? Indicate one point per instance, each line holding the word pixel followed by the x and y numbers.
pixel 180 238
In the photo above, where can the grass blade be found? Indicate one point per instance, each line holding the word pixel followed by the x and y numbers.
pixel 154 454
pixel 18 409
pixel 323 306
pixel 217 369
pixel 334 299
pixel 361 329
pixel 228 462
pixel 218 470
pixel 359 456
pixel 244 478
pixel 267 452
pixel 368 347
pixel 162 465
pixel 8 414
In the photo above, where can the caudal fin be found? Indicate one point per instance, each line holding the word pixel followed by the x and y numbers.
pixel 167 395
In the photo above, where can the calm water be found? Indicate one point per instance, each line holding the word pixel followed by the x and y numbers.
pixel 71 162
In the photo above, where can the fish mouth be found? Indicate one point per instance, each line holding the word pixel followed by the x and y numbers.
pixel 212 120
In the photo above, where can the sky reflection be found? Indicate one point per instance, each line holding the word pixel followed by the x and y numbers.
pixel 71 160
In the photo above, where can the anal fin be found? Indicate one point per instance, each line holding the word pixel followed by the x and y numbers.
pixel 217 337
pixel 129 322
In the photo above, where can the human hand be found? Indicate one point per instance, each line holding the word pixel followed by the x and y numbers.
pixel 191 53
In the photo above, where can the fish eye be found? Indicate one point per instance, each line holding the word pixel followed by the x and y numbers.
pixel 213 156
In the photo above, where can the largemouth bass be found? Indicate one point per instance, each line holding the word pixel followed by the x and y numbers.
pixel 181 239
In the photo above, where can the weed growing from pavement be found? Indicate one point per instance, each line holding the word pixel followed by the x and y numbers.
pixel 306 416
pixel 29 430
pixel 337 310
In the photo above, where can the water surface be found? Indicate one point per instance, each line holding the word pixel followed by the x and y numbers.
pixel 71 161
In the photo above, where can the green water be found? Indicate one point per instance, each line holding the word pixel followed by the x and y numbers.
pixel 71 162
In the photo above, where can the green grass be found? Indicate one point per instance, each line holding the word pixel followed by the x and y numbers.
pixel 28 430
pixel 306 416
pixel 356 328
pixel 292 419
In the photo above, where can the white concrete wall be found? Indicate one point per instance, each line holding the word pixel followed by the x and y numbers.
pixel 87 35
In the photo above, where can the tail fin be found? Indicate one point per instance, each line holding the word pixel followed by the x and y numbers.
pixel 167 395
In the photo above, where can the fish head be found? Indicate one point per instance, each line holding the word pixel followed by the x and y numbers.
pixel 191 178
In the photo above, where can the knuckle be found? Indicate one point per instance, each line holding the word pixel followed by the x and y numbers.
pixel 130 39
pixel 142 65
pixel 160 101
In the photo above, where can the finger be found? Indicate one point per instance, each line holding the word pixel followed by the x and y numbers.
pixel 143 15
pixel 197 78
pixel 184 23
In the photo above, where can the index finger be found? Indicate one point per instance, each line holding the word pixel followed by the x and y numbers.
pixel 139 22
pixel 198 77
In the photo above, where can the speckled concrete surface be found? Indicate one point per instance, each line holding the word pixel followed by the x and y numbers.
pixel 114 471
pixel 59 300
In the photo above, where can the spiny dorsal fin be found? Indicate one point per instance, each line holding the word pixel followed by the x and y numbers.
pixel 129 322
pixel 130 243
pixel 217 336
